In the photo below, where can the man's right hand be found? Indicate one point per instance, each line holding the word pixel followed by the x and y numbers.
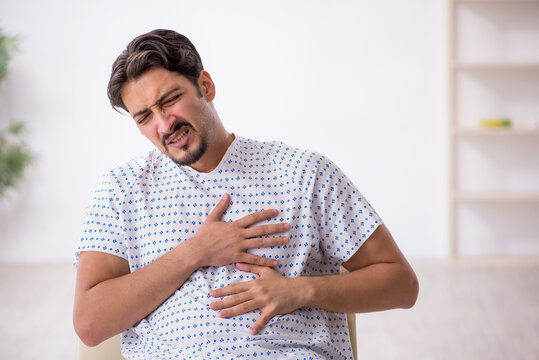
pixel 219 243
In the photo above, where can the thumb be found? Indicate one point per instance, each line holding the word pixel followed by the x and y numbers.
pixel 220 208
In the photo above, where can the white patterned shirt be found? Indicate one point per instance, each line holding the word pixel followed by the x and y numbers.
pixel 147 206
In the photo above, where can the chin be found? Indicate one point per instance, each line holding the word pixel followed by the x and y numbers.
pixel 186 156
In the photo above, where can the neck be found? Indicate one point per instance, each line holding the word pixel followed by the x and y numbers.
pixel 215 152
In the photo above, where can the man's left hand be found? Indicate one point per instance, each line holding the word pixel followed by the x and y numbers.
pixel 272 294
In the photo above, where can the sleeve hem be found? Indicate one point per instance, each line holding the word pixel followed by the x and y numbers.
pixel 107 251
pixel 375 226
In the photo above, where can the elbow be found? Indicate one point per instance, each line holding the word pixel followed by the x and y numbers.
pixel 87 331
pixel 412 291
pixel 89 341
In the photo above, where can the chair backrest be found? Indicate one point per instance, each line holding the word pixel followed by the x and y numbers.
pixel 351 318
pixel 107 350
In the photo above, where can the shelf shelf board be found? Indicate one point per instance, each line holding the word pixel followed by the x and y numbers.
pixel 501 132
pixel 491 66
pixel 496 259
pixel 493 1
pixel 497 196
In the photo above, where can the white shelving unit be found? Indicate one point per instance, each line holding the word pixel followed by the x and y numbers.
pixel 494 173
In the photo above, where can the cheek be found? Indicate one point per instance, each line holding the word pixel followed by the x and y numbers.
pixel 150 131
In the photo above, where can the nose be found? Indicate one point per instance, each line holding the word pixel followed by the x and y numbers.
pixel 165 122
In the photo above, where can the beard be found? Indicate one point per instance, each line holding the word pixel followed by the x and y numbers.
pixel 190 156
pixel 204 133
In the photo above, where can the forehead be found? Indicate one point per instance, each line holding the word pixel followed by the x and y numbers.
pixel 143 92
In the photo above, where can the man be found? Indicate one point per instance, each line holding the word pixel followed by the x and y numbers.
pixel 217 246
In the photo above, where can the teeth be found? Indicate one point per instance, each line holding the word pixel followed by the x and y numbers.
pixel 181 136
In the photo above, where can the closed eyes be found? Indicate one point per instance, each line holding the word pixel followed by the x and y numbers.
pixel 167 100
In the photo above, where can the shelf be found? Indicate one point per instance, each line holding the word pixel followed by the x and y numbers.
pixel 489 66
pixel 493 68
pixel 497 196
pixel 502 132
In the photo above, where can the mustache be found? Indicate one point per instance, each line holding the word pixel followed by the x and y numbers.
pixel 175 127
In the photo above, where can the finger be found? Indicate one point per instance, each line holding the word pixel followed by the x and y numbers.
pixel 240 309
pixel 262 321
pixel 231 301
pixel 267 229
pixel 256 217
pixel 258 243
pixel 220 208
pixel 258 260
pixel 230 289
pixel 255 269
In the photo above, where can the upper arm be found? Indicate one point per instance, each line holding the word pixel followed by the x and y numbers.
pixel 378 248
pixel 94 267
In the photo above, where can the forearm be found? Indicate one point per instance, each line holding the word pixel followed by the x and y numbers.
pixel 376 287
pixel 115 304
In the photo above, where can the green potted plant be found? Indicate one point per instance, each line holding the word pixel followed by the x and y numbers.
pixel 14 154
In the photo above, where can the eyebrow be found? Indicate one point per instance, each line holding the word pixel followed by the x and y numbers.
pixel 159 100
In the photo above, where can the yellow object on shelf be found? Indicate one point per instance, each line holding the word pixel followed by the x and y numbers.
pixel 495 123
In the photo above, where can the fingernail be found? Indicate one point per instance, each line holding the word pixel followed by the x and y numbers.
pixel 253 331
pixel 287 226
pixel 286 240
pixel 275 263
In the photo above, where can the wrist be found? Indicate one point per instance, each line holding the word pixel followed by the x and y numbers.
pixel 188 255
pixel 306 290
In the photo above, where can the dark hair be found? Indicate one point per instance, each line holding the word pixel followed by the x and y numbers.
pixel 157 49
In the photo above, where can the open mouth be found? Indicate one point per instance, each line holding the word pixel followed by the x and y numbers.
pixel 179 137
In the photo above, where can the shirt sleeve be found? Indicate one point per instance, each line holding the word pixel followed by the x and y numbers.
pixel 345 217
pixel 102 227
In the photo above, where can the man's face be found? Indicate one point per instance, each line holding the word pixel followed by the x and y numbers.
pixel 169 110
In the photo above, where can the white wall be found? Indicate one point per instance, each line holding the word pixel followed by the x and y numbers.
pixel 360 81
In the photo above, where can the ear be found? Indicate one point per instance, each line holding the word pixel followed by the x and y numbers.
pixel 207 87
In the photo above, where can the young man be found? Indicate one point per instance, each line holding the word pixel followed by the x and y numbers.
pixel 217 246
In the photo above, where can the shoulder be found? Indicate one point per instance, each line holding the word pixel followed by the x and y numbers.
pixel 134 171
pixel 303 166
pixel 287 156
